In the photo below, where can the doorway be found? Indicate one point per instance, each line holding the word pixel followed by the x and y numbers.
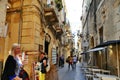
pixel 46 47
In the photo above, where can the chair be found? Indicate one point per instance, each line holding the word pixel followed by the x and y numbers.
pixel 89 76
pixel 96 79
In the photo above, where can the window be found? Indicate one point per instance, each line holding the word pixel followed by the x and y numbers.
pixel 101 35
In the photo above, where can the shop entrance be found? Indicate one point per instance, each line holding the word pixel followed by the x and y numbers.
pixel 46 47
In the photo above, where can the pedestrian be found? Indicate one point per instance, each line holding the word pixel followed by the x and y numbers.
pixel 43 62
pixel 62 60
pixel 59 61
pixel 74 61
pixel 70 62
pixel 13 64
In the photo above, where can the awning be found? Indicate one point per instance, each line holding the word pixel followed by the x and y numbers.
pixel 83 53
pixel 96 49
pixel 93 50
pixel 107 43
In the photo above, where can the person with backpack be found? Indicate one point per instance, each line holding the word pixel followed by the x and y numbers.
pixel 74 61
pixel 70 62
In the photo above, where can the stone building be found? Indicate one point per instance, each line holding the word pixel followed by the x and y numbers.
pixel 79 45
pixel 101 30
pixel 3 27
pixel 35 24
pixel 67 41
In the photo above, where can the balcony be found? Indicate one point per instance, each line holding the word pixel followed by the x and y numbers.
pixel 67 41
pixel 59 4
pixel 12 1
pixel 51 18
pixel 57 30
pixel 50 14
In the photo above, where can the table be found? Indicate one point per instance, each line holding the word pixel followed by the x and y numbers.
pixel 105 71
pixel 95 70
pixel 107 77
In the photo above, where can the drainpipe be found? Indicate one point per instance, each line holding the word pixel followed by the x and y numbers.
pixel 106 54
pixel 20 24
pixel 95 9
pixel 118 69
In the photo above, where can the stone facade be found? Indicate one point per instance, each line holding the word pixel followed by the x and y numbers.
pixel 108 18
pixel 31 25
pixel 102 25
pixel 67 39
pixel 3 7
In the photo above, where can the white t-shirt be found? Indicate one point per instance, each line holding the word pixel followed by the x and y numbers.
pixel 74 59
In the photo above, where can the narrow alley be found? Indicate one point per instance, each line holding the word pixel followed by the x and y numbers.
pixel 65 74
pixel 38 36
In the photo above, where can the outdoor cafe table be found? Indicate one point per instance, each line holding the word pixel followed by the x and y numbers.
pixel 107 77
pixel 95 70
pixel 105 71
pixel 99 70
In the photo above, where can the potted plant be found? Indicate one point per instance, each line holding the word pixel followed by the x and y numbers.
pixel 59 4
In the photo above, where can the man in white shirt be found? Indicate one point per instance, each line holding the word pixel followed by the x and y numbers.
pixel 74 61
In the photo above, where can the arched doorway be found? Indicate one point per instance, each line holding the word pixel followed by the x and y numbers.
pixel 92 42
pixel 47 42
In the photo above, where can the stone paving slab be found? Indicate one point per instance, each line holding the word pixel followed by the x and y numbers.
pixel 76 74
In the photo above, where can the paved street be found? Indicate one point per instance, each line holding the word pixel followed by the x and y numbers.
pixel 64 74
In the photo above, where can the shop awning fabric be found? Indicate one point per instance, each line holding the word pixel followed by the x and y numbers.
pixel 108 43
pixel 96 49
pixel 102 46
pixel 93 50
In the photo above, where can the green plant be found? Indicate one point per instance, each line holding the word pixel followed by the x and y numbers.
pixel 59 4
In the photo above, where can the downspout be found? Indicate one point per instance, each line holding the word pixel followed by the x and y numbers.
pixel 118 69
pixel 106 56
pixel 95 9
pixel 20 24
